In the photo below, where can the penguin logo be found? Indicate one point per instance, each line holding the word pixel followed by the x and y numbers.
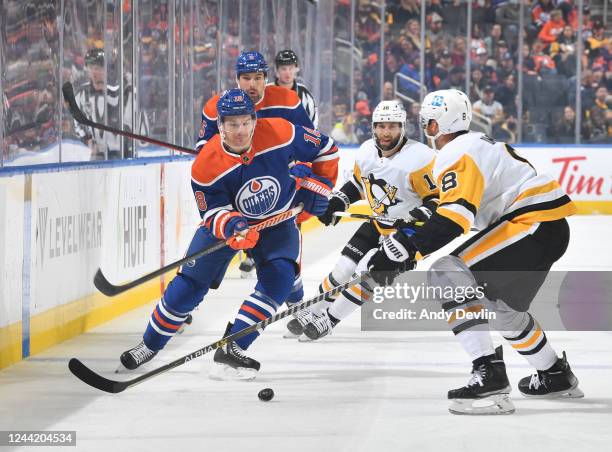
pixel 381 195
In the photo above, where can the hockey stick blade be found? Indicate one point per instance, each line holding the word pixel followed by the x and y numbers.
pixel 95 380
pixel 109 289
pixel 79 116
pixel 89 377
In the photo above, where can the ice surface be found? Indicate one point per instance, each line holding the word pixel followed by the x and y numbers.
pixel 353 391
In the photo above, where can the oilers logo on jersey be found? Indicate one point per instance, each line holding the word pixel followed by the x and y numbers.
pixel 258 196
pixel 381 195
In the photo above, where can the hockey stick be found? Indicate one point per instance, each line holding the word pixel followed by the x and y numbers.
pixel 362 216
pixel 372 218
pixel 80 117
pixel 109 289
pixel 88 376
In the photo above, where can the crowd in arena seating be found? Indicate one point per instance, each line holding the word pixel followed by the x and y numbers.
pixel 31 56
pixel 549 74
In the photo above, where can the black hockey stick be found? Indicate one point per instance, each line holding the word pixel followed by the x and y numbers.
pixel 80 117
pixel 394 222
pixel 109 289
pixel 88 376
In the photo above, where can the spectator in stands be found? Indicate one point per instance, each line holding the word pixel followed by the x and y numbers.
pixel 413 128
pixel 458 51
pixel 543 62
pixel 599 39
pixel 491 41
pixel 393 62
pixel 489 107
pixel 500 50
pixel 434 31
pixel 540 13
pixel 601 99
pixel 476 84
pixel 563 130
pixel 388 92
pixel 343 131
pixel 563 52
pixel 409 52
pixel 412 30
pixel 403 12
pixel 552 28
pixel 441 70
pixel 456 79
pixel 506 95
pixel 506 66
pixel 506 131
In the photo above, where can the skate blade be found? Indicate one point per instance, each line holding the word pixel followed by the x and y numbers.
pixel 304 338
pixel 247 274
pixel 486 406
pixel 572 393
pixel 290 335
pixel 223 372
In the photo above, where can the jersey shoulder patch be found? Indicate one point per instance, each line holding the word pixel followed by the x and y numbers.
pixel 278 96
pixel 210 108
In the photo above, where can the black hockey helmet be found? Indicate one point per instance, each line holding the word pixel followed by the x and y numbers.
pixel 94 56
pixel 286 57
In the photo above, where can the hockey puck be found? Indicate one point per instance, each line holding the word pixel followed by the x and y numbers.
pixel 265 395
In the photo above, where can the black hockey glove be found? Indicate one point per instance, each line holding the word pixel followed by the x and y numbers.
pixel 338 202
pixel 396 254
pixel 421 213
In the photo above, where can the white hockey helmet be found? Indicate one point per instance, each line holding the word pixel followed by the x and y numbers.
pixel 450 108
pixel 389 111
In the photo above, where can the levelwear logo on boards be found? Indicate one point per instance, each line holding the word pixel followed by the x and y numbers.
pixel 258 196
pixel 67 234
pixel 134 235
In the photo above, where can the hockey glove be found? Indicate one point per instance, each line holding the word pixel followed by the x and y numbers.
pixel 421 213
pixel 301 170
pixel 314 202
pixel 339 202
pixel 236 231
pixel 395 255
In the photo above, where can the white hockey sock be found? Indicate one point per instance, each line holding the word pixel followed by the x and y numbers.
pixel 531 342
pixel 342 307
pixel 473 334
pixel 476 342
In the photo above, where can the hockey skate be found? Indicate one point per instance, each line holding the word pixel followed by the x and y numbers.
pixel 295 326
pixel 320 325
pixel 487 390
pixel 247 266
pixel 231 363
pixel 557 382
pixel 135 357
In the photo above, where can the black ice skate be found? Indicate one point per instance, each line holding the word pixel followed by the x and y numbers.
pixel 246 267
pixel 136 357
pixel 320 325
pixel 295 326
pixel 232 363
pixel 487 390
pixel 558 381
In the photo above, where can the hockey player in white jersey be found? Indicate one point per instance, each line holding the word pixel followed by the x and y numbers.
pixel 394 174
pixel 523 231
